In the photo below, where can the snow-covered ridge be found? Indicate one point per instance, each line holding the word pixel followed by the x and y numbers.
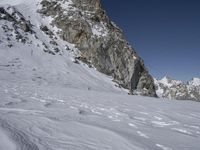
pixel 174 89
pixel 169 82
pixel 194 82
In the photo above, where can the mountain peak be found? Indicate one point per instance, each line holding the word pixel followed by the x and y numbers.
pixel 168 81
pixel 175 89
pixel 195 82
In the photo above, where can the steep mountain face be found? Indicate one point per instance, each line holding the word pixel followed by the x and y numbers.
pixel 85 25
pixel 33 54
pixel 173 89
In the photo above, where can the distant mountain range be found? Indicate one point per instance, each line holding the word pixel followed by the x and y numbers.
pixel 175 89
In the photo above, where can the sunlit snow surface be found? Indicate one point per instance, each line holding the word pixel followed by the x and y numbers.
pixel 50 117
pixel 48 102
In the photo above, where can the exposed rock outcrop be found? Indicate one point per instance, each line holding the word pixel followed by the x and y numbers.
pixel 10 14
pixel 173 89
pixel 85 24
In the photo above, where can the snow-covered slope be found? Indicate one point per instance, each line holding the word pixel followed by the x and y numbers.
pixel 42 117
pixel 173 89
pixel 32 57
pixel 49 100
pixel 194 82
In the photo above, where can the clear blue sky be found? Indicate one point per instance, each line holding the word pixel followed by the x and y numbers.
pixel 165 33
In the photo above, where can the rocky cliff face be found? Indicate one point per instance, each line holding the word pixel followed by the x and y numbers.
pixel 173 89
pixel 102 44
pixel 84 25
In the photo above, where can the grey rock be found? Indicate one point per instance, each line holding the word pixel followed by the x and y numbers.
pixel 17 18
pixel 85 24
pixel 174 89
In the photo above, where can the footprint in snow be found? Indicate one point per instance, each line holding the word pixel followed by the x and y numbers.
pixel 47 104
pixel 132 125
pixel 162 147
pixel 11 103
pixel 144 113
pixel 182 131
pixel 139 119
pixel 96 112
pixel 192 126
pixel 158 118
pixel 164 124
pixel 84 112
pixel 114 118
pixel 142 135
